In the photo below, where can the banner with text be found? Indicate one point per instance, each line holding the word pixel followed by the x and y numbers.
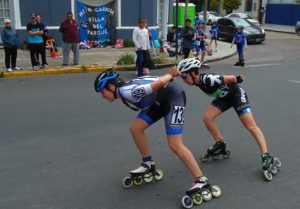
pixel 97 23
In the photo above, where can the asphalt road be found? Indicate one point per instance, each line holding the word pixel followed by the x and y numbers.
pixel 63 147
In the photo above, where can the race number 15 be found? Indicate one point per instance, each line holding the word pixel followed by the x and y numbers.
pixel 178 115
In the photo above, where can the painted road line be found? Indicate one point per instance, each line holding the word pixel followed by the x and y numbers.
pixel 262 65
pixel 293 81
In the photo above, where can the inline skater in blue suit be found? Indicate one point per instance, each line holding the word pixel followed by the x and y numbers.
pixel 156 98
pixel 240 40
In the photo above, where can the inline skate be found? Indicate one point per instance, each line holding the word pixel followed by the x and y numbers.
pixel 271 165
pixel 201 191
pixel 219 148
pixel 144 173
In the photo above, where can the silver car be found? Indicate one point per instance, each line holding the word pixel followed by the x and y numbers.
pixel 244 16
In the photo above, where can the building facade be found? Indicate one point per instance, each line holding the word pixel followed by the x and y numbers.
pixel 157 12
pixel 281 12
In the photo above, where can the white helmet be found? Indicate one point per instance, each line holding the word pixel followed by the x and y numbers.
pixel 187 64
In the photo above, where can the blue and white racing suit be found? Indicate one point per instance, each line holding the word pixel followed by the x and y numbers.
pixel 168 102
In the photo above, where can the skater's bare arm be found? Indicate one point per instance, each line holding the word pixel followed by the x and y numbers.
pixel 163 80
pixel 232 79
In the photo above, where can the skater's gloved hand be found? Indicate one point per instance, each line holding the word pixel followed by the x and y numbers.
pixel 240 78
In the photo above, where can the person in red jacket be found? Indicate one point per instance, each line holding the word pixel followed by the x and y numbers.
pixel 69 30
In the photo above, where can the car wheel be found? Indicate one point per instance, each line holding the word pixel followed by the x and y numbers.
pixel 299 32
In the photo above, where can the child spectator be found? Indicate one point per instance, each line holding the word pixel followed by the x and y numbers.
pixel 200 36
pixel 241 42
pixel 214 31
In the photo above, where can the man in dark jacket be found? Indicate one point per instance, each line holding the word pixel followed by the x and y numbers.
pixel 69 30
pixel 187 35
pixel 10 41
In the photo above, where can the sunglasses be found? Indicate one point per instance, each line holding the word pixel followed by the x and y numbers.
pixel 184 76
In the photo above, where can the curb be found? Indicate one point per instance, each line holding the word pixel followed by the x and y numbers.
pixel 92 69
pixel 279 31
pixel 57 71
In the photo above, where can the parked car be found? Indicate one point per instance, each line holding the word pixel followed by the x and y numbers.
pixel 244 16
pixel 228 27
pixel 297 27
pixel 210 18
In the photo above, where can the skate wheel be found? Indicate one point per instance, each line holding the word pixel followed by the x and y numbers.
pixel 187 202
pixel 268 175
pixel 148 177
pixel 127 182
pixel 206 195
pixel 197 199
pixel 138 180
pixel 216 191
pixel 204 158
pixel 226 156
pixel 274 170
pixel 159 174
pixel 277 162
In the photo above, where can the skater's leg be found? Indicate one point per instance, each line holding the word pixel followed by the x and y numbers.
pixel 250 125
pixel 137 130
pixel 209 117
pixel 176 145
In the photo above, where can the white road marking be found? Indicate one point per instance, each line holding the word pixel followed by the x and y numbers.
pixel 293 81
pixel 262 65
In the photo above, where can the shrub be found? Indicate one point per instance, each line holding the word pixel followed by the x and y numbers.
pixel 126 59
pixel 128 43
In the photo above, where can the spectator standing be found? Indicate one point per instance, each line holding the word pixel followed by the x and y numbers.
pixel 36 43
pixel 241 43
pixel 45 36
pixel 200 36
pixel 187 35
pixel 141 41
pixel 214 31
pixel 69 30
pixel 10 41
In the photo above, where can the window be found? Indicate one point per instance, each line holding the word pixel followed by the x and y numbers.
pixel 4 11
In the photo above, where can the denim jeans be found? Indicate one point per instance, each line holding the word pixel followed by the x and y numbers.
pixel 140 61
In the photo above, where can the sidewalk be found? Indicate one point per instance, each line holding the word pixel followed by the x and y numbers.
pixel 279 28
pixel 95 60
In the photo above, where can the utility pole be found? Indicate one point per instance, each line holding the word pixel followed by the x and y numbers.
pixel 176 25
pixel 205 12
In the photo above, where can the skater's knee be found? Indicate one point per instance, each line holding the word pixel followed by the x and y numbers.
pixel 175 147
pixel 207 119
pixel 136 128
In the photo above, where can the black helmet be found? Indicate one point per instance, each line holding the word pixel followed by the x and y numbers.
pixel 108 76
pixel 240 27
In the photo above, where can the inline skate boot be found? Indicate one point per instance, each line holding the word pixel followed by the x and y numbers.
pixel 199 192
pixel 144 173
pixel 219 148
pixel 271 165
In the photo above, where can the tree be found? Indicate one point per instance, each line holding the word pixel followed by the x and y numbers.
pixel 213 5
pixel 230 5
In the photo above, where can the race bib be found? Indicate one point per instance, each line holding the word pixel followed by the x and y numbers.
pixel 178 115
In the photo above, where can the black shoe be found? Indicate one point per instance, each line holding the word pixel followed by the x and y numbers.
pixel 65 65
pixel 75 64
pixel 237 64
pixel 242 64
